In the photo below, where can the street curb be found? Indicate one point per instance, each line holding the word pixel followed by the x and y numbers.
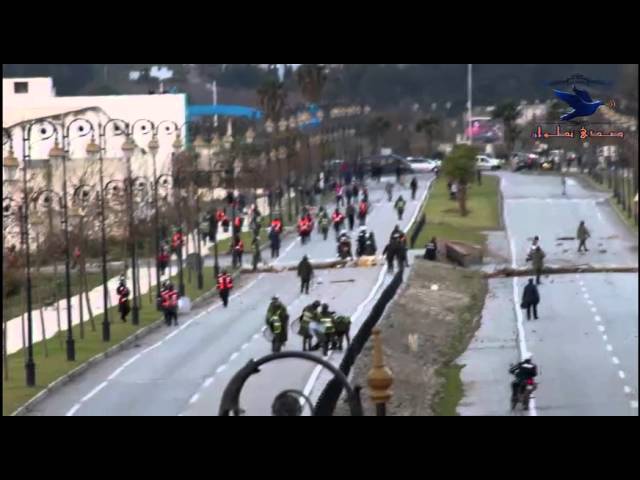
pixel 95 360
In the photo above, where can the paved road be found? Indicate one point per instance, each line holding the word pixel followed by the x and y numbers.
pixel 586 340
pixel 183 371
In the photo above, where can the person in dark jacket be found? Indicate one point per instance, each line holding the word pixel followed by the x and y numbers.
pixel 414 187
pixel 431 250
pixel 530 299
pixel 274 240
pixel 351 214
pixel 305 272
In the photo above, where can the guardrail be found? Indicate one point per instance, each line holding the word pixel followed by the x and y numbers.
pixel 329 396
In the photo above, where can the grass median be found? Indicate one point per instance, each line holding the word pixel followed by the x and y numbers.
pixel 14 391
pixel 443 216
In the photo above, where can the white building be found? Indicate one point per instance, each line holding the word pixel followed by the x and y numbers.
pixel 25 100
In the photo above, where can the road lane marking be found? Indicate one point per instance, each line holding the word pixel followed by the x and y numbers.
pixel 172 334
pixel 589 302
pixel 633 403
pixel 601 328
pixel 233 356
pixel 586 295
pixel 621 374
pixel 609 348
pixel 131 360
pixel 605 338
pixel 594 309
pixel 221 368
pixel 244 345
pixel 93 392
pixel 208 382
pixel 584 289
pixel 194 399
pixel 597 318
pixel 615 360
pixel 115 373
pixel 581 282
pixel 73 410
pixel 627 389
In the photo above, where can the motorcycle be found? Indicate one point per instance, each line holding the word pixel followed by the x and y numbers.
pixel 344 249
pixel 525 391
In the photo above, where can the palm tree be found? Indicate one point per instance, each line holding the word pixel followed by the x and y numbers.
pixel 508 112
pixel 272 98
pixel 429 126
pixel 376 129
pixel 312 78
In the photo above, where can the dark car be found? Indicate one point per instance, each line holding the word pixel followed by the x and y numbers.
pixel 388 164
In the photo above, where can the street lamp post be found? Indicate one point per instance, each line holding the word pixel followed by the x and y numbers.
pixel 127 149
pixel 153 147
pixel 11 163
pixel 94 150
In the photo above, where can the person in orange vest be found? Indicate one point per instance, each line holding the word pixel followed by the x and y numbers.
pixel 169 304
pixel 363 209
pixel 224 286
pixel 238 250
pixel 276 225
pixel 222 219
pixel 338 219
pixel 304 229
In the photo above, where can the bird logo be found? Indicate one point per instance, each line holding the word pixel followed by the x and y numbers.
pixel 580 101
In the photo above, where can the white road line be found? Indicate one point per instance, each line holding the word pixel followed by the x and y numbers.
pixel 208 382
pixel 597 318
pixel 93 392
pixel 586 295
pixel 584 289
pixel 627 389
pixel 148 349
pixel 233 356
pixel 633 403
pixel 115 373
pixel 621 374
pixel 172 334
pixel 221 368
pixel 524 353
pixel 131 360
pixel 244 345
pixel 594 309
pixel 256 335
pixel 589 302
pixel 615 360
pixel 194 399
pixel 601 328
pixel 73 410
pixel 605 338
pixel 609 348
pixel 581 283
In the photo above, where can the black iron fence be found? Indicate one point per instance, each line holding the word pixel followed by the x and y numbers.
pixel 329 396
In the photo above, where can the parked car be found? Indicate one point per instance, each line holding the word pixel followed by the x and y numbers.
pixel 423 165
pixel 487 163
pixel 524 161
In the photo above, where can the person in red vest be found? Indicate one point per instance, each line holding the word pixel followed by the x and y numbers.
pixel 223 220
pixel 310 220
pixel 304 229
pixel 338 219
pixel 276 225
pixel 238 250
pixel 177 241
pixel 363 209
pixel 163 259
pixel 224 286
pixel 169 304
pixel 123 299
pixel 237 225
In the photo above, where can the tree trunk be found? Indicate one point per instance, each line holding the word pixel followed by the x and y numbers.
pixel 44 333
pixel 87 297
pixel 462 198
pixel 149 279
pixel 5 359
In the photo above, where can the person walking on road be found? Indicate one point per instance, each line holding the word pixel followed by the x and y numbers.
pixel 399 206
pixel 414 187
pixel 169 303
pixel 224 286
pixel 351 215
pixel 274 241
pixel 563 179
pixel 389 189
pixel 305 272
pixel 536 256
pixel 582 234
pixel 238 250
pixel 530 299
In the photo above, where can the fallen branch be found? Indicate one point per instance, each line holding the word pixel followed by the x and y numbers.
pixel 321 264
pixel 523 272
